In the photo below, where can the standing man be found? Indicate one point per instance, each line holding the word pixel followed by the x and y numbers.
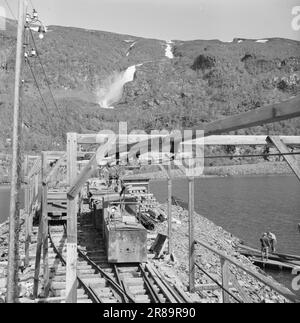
pixel 265 246
pixel 273 241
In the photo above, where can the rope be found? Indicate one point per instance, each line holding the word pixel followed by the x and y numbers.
pixel 39 90
pixel 10 10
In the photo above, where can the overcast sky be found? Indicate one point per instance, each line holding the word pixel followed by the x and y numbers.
pixel 173 19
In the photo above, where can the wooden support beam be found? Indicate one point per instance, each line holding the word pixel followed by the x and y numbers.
pixel 191 251
pixel 89 168
pixel 244 296
pixel 38 259
pixel 170 245
pixel 225 280
pixel 169 177
pixel 45 227
pixel 236 140
pixel 71 267
pixel 102 138
pixel 262 278
pixel 27 213
pixel 55 169
pixel 258 117
pixel 283 149
pixel 35 169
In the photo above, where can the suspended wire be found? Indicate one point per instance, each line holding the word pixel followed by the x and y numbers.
pixel 29 125
pixel 10 10
pixel 33 7
pixel 39 90
pixel 46 78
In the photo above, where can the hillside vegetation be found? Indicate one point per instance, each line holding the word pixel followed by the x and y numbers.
pixel 206 80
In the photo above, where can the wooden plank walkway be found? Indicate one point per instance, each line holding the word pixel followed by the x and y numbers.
pixel 276 260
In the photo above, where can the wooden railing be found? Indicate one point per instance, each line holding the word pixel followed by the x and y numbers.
pixel 228 277
pixel 48 176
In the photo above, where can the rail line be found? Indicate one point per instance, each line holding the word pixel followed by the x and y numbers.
pixel 100 281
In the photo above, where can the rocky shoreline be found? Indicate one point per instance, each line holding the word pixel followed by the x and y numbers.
pixel 220 239
pixel 175 269
pixel 259 169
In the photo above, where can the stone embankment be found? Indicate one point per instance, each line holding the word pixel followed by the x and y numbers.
pixel 218 238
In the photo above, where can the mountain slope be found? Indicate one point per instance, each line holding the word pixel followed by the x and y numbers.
pixel 205 81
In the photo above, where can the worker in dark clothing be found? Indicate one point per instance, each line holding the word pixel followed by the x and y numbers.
pixel 265 246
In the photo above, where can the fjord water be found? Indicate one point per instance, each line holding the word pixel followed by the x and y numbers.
pixel 247 207
pixel 4 202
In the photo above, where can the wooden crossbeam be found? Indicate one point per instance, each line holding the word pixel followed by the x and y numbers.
pixel 55 169
pixel 36 168
pixel 269 114
pixel 85 173
pixel 283 149
pixel 245 298
pixel 236 140
pixel 102 138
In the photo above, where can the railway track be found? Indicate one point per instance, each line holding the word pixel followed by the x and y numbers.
pixel 100 281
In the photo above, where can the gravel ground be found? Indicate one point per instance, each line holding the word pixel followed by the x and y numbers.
pixel 217 237
pixel 175 270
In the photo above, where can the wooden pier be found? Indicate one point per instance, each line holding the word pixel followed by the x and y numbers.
pixel 275 261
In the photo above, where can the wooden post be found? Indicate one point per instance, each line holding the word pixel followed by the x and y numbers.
pixel 71 279
pixel 225 279
pixel 170 210
pixel 14 214
pixel 45 226
pixel 191 235
pixel 38 259
pixel 27 212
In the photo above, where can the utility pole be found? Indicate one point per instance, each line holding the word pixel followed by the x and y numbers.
pixel 14 215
